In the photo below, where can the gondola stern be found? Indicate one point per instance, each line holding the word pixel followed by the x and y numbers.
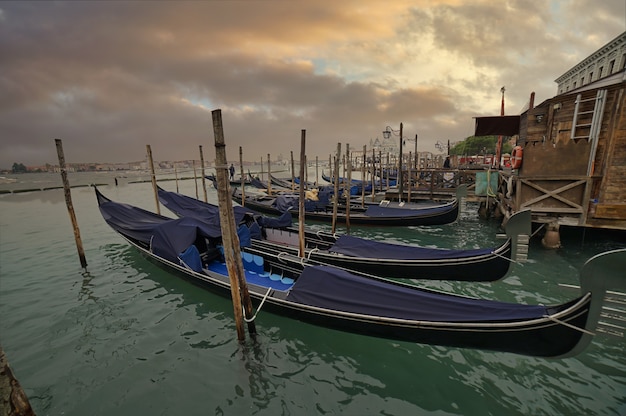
pixel 518 229
pixel 603 277
pixel 461 191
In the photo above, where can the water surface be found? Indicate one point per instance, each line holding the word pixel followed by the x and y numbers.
pixel 127 338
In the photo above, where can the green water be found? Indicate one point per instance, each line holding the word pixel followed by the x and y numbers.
pixel 126 338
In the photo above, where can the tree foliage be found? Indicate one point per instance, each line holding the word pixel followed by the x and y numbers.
pixel 478 145
pixel 19 168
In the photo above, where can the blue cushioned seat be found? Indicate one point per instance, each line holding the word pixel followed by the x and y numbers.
pixel 190 258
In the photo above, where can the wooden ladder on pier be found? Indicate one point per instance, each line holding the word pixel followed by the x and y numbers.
pixel 588 116
pixel 587 122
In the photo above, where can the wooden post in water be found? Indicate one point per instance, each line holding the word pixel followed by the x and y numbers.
pixel 388 170
pixel 348 186
pixel 302 197
pixel 416 155
pixel 195 176
pixel 269 176
pixel 70 205
pixel 373 174
pixel 176 177
pixel 409 179
pixel 317 173
pixel 331 168
pixel 363 177
pixel 305 182
pixel 262 169
pixel 243 179
pixel 13 398
pixel 336 188
pixel 202 172
pixel 293 175
pixel 400 176
pixel 153 177
pixel 230 240
pixel 381 169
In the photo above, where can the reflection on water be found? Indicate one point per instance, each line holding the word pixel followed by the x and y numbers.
pixel 128 338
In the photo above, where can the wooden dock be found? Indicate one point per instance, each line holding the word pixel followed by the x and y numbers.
pixel 573 169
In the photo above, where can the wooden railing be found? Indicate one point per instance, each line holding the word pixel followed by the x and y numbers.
pixel 435 183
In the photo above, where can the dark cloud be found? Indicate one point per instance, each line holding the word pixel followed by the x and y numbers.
pixel 110 77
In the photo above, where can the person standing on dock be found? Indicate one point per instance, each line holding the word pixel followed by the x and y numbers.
pixel 232 171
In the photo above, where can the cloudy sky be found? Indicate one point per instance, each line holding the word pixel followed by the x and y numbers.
pixel 108 77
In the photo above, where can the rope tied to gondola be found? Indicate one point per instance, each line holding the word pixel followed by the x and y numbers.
pixel 269 289
pixel 506 258
pixel 538 229
pixel 558 321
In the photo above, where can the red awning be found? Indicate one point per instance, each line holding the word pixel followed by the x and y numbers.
pixel 497 126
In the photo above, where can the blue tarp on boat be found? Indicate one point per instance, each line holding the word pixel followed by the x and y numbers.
pixel 378 211
pixel 167 237
pixel 336 289
pixel 183 205
pixel 286 202
pixel 359 247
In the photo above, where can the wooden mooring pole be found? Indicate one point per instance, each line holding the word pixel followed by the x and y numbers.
pixel 203 175
pixel 317 174
pixel 262 169
pixel 13 400
pixel 348 186
pixel 230 240
pixel 269 175
pixel 293 175
pixel 336 189
pixel 363 177
pixel 374 174
pixel 70 206
pixel 153 177
pixel 176 177
pixel 243 179
pixel 301 199
pixel 195 177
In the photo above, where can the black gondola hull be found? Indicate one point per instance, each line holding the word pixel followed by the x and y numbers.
pixel 440 217
pixel 487 268
pixel 543 338
pixel 336 299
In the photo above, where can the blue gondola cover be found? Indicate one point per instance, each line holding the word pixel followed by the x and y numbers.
pixel 328 287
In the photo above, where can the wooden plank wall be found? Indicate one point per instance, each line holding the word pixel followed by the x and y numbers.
pixel 551 154
pixel 611 195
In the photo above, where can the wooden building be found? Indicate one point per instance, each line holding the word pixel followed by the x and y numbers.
pixel 573 169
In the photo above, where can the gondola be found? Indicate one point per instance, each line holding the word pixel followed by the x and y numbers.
pixel 359 182
pixel 334 298
pixel 283 183
pixel 289 183
pixel 374 215
pixel 369 256
pixel 233 182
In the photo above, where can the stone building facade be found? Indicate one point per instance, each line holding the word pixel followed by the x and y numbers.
pixel 604 62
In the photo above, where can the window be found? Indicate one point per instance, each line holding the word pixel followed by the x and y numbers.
pixel 574 84
pixel 611 64
pixel 600 72
pixel 623 65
